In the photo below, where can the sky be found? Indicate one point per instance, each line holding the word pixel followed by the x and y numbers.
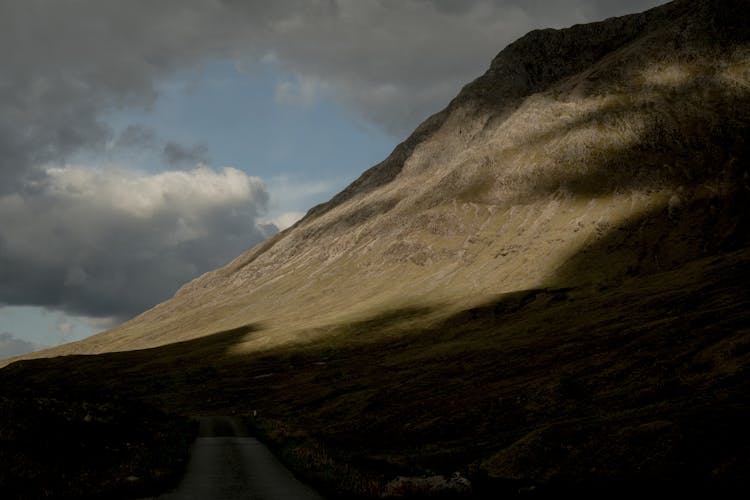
pixel 144 143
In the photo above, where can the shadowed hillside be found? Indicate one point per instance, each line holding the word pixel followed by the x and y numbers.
pixel 545 285
pixel 647 390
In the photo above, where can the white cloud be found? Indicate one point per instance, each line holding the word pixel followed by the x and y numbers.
pixel 287 219
pixel 144 196
pixel 111 242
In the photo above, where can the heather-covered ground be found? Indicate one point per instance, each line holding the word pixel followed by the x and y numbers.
pixel 54 444
pixel 625 386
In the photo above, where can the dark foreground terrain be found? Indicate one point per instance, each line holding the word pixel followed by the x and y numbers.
pixel 69 444
pixel 636 386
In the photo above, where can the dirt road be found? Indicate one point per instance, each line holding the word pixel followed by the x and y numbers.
pixel 226 463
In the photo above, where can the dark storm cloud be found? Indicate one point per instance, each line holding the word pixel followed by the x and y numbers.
pixel 66 64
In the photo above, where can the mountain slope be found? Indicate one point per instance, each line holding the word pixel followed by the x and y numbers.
pixel 631 130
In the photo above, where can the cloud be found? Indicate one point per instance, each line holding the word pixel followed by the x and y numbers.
pixel 285 220
pixel 64 327
pixel 11 345
pixel 392 62
pixel 137 136
pixel 72 63
pixel 301 92
pixel 293 191
pixel 176 154
pixel 114 242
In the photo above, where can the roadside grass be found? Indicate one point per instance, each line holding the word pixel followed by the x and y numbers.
pixel 331 473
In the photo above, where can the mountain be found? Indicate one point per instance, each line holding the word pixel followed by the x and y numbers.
pixel 546 281
pixel 624 134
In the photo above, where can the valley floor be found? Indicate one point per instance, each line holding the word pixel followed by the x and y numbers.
pixel 642 382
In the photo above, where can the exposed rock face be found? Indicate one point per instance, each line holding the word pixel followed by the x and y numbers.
pixel 585 155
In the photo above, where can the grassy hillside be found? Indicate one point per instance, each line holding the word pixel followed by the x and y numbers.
pixel 640 383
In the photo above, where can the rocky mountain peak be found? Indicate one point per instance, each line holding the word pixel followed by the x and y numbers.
pixel 544 58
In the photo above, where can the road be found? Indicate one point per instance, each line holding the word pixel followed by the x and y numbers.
pixel 227 463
